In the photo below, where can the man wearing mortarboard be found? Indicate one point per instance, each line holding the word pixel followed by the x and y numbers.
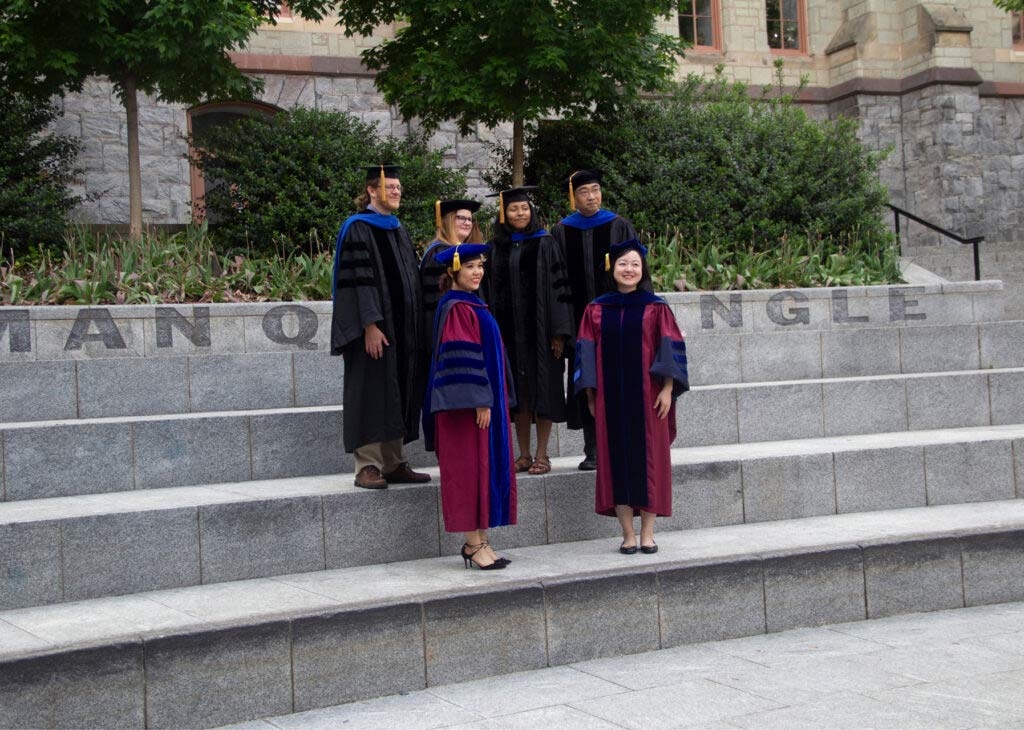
pixel 376 327
pixel 585 238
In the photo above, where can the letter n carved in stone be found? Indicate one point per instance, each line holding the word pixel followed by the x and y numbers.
pixel 169 319
pixel 710 305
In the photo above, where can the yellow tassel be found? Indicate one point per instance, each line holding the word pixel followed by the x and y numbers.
pixel 437 213
pixel 383 187
pixel 572 196
pixel 456 263
pixel 501 208
pixel 607 262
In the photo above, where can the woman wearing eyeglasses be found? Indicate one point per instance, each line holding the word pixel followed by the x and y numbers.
pixel 455 224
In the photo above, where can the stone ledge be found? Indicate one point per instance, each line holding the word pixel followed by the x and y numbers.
pixel 199 663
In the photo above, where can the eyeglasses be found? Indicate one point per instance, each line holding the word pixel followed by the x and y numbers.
pixel 464 218
pixel 393 188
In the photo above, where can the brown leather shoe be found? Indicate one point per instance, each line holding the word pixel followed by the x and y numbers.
pixel 404 475
pixel 369 478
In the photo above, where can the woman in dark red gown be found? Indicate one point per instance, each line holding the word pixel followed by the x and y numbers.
pixel 631 362
pixel 466 411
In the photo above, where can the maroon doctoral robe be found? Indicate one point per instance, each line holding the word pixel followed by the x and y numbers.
pixel 468 370
pixel 627 345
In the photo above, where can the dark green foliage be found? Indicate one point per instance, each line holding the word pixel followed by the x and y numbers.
pixel 720 167
pixel 36 168
pixel 292 178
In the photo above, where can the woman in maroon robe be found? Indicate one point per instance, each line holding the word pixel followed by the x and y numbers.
pixel 466 411
pixel 631 362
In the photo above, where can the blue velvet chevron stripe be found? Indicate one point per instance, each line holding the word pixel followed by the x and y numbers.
pixel 468 360
pixel 670 362
pixel 386 222
pixel 527 236
pixel 585 223
pixel 585 369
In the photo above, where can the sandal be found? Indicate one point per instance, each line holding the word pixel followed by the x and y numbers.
pixel 523 463
pixel 540 465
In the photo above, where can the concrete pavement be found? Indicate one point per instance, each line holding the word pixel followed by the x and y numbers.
pixel 947 669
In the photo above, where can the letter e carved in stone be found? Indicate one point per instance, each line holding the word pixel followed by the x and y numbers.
pixel 898 303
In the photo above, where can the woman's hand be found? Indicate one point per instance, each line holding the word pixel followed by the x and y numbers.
pixel 374 341
pixel 592 402
pixel 483 417
pixel 663 402
pixel 557 346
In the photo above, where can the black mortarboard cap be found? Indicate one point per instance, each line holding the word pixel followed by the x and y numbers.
pixel 512 195
pixel 374 172
pixel 444 207
pixel 580 177
pixel 618 249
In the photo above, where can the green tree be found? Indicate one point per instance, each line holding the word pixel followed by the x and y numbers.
pixel 493 61
pixel 278 183
pixel 1010 5
pixel 36 167
pixel 175 49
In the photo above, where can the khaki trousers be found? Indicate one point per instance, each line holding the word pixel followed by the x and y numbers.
pixel 385 455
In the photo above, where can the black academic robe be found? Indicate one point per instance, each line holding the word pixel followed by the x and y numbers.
pixel 583 246
pixel 430 277
pixel 528 293
pixel 376 280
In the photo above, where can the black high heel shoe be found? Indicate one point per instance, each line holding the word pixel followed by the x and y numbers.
pixel 497 558
pixel 467 558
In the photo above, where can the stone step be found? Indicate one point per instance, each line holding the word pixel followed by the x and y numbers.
pixel 73 548
pixel 67 389
pixel 209 655
pixel 86 456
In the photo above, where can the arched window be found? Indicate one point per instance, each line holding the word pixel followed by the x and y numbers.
pixel 700 25
pixel 787 26
pixel 206 116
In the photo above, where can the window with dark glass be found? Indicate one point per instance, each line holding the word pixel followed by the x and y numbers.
pixel 697 23
pixel 1018 28
pixel 784 31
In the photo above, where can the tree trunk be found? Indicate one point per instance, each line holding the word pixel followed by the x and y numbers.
pixel 131 107
pixel 517 153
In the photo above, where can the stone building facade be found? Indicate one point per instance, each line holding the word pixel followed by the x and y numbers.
pixel 940 84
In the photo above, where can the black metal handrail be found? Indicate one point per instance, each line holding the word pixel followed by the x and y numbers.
pixel 897 212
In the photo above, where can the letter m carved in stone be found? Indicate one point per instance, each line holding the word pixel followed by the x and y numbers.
pixel 19 331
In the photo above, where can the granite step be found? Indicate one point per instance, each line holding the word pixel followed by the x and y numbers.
pixel 46 390
pixel 210 655
pixel 73 548
pixel 41 459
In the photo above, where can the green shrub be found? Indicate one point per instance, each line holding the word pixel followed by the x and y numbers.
pixel 36 168
pixel 285 180
pixel 716 165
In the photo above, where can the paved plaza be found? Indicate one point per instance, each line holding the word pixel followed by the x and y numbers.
pixel 947 669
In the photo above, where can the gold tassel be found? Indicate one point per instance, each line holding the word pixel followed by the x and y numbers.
pixel 607 262
pixel 501 208
pixel 572 196
pixel 437 213
pixel 383 187
pixel 456 262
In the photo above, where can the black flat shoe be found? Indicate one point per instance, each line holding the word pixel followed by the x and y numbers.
pixel 587 465
pixel 627 550
pixel 649 549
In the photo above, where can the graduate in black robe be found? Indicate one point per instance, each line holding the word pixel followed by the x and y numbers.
pixel 376 326
pixel 528 293
pixel 455 224
pixel 584 238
